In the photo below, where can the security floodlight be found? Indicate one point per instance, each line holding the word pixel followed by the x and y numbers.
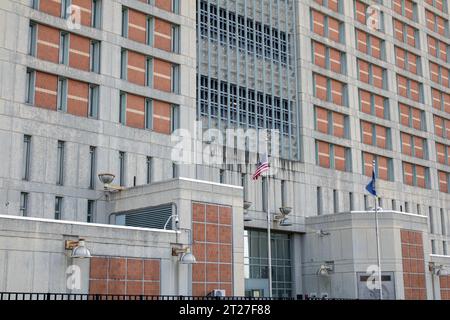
pixel 78 248
pixel 247 204
pixel 106 178
pixel 188 258
pixel 285 210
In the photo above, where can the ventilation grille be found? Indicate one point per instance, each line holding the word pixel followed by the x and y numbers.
pixel 150 217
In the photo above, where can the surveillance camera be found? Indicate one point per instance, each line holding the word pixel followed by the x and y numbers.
pixel 177 222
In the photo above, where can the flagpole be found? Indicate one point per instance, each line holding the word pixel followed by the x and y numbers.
pixel 269 221
pixel 377 237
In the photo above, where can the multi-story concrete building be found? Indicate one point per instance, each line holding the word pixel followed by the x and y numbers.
pixel 104 86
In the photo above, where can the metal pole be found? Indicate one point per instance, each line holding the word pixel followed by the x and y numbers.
pixel 269 221
pixel 377 235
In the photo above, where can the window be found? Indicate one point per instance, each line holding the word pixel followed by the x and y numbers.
pixel 175 78
pixel 35 4
pixel 176 6
pixel 60 164
pixel 122 168
pixel 93 101
pixel 24 204
pixel 264 194
pixel 409 88
pixel 319 201
pixel 431 219
pixel 444 248
pixel 176 39
pixel 408 61
pixel 444 180
pixel 64 48
pixel 350 201
pixel 149 169
pixel 414 146
pixel 32 39
pixel 124 22
pixel 332 123
pixel 441 100
pixel 333 156
pixel 175 117
pixel 150 30
pixel 65 4
pixel 433 247
pixel 366 202
pixel 149 72
pixel 327 27
pixel 441 127
pixel 284 194
pixel 415 175
pixel 411 117
pixel 436 23
pixel 335 201
pixel 439 74
pixel 418 209
pixel 328 58
pixel 123 108
pixel 29 94
pixel 92 166
pixel 438 49
pixel 443 223
pixel 384 168
pixel 376 135
pixel 95 56
pixel 175 170
pixel 62 94
pixel 58 207
pixel 221 176
pixel 407 206
pixel 123 64
pixel 330 90
pixel 96 13
pixel 26 157
pixel 370 45
pixel 372 74
pixel 374 104
pixel 90 211
pixel 149 114
pixel 406 8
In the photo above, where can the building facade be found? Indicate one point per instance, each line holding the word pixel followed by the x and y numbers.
pixel 95 86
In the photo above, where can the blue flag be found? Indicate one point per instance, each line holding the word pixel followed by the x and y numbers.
pixel 371 186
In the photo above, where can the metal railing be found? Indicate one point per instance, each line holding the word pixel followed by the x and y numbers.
pixel 25 296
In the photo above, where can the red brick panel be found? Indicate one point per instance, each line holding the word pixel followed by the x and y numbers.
pixel 441 153
pixel 323 152
pixel 124 276
pixel 367 132
pixel 77 98
pixel 361 41
pixel 161 117
pixel 48 43
pixel 52 7
pixel 419 145
pixel 413 265
pixel 320 85
pixel 379 106
pixel 86 10
pixel 404 114
pixel 431 25
pixel 434 72
pixel 436 95
pixel 318 23
pixel 410 36
pixel 337 92
pixel 439 4
pixel 420 176
pixel 338 125
pixel 335 60
pixel 46 90
pixel 319 54
pixel 444 283
pixel 406 144
pixel 163 35
pixel 443 181
pixel 135 111
pixel 376 47
pixel 408 176
pixel 136 68
pixel 381 136
pixel 162 71
pixel 212 238
pixel 363 68
pixel 447 128
pixel 339 158
pixel 443 51
pixel 368 161
pixel 439 126
pixel 360 9
pixel 334 29
pixel 366 105
pixel 79 52
pixel 137 26
pixel 322 120
pixel 398 30
pixel 433 46
pixel 377 76
pixel 416 118
pixel 163 4
pixel 383 164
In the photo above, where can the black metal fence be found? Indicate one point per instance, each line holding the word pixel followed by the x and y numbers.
pixel 23 296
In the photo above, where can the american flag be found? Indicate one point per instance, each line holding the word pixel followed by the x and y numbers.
pixel 263 166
